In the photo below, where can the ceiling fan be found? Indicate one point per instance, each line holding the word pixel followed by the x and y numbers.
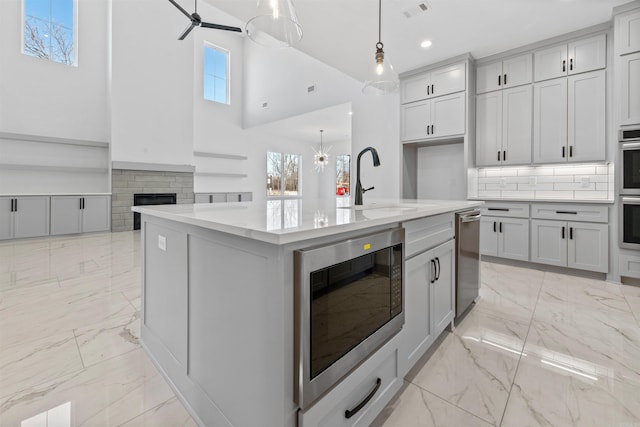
pixel 196 21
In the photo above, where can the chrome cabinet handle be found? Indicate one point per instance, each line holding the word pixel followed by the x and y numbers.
pixel 351 412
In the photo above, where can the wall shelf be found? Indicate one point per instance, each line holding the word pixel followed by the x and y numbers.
pixel 222 175
pixel 52 140
pixel 74 169
pixel 219 155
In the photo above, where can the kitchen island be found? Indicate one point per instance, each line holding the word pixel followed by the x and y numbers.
pixel 218 304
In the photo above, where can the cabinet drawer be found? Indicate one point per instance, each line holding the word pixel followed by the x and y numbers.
pixel 514 210
pixel 588 213
pixel 426 233
pixel 330 410
pixel 630 266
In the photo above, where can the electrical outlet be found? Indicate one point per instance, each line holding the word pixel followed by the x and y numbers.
pixel 584 182
pixel 162 242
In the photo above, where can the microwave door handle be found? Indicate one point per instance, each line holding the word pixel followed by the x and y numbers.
pixel 631 200
pixel 630 145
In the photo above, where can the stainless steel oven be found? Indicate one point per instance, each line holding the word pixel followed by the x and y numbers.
pixel 349 302
pixel 629 222
pixel 630 161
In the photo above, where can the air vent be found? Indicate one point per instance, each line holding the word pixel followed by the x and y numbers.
pixel 265 104
pixel 311 88
pixel 412 8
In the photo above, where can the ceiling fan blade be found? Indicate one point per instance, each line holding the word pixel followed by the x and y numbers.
pixel 173 2
pixel 220 27
pixel 187 31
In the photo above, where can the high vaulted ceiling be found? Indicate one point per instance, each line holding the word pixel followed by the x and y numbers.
pixel 343 33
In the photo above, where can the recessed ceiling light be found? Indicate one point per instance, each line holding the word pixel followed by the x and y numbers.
pixel 426 44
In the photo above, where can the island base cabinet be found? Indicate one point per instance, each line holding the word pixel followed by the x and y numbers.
pixel 579 245
pixel 375 382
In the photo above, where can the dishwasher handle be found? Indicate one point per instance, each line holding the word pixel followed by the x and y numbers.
pixel 470 218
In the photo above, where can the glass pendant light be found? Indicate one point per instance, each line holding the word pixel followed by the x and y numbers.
pixel 382 79
pixel 275 24
pixel 320 158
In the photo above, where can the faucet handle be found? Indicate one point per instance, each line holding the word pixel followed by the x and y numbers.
pixel 364 190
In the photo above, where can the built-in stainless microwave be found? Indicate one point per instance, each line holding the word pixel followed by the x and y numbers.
pixel 629 224
pixel 348 302
pixel 630 161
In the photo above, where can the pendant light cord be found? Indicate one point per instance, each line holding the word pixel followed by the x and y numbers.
pixel 379 21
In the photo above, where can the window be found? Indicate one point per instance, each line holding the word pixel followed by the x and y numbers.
pixel 283 175
pixel 343 174
pixel 49 30
pixel 216 74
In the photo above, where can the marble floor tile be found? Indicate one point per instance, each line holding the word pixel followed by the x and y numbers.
pixel 632 295
pixel 106 394
pixel 30 362
pixel 107 339
pixel 551 393
pixel 416 407
pixel 474 367
pixel 170 414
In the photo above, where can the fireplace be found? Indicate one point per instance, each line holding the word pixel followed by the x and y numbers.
pixel 151 199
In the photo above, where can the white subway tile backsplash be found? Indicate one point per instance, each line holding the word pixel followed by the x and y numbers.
pixel 556 182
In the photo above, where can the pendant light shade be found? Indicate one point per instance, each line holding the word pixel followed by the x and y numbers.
pixel 381 79
pixel 275 24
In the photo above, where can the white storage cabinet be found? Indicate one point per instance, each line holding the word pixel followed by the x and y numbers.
pixel 569 119
pixel 433 118
pixel 504 230
pixel 80 214
pixel 579 56
pixel 504 74
pixel 561 235
pixel 24 216
pixel 437 82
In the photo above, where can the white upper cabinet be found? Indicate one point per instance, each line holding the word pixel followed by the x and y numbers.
pixel 443 116
pixel 550 121
pixel 576 57
pixel 628 32
pixel 504 74
pixel 437 82
pixel 503 127
pixel 630 93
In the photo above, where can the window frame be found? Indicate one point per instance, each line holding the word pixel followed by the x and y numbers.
pixel 227 53
pixel 74 32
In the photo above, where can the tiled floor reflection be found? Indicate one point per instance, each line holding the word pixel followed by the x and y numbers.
pixel 539 349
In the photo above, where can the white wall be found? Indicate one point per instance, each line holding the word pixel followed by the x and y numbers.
pixel 39 97
pixel 152 84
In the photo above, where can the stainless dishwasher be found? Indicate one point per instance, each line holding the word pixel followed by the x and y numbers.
pixel 467 259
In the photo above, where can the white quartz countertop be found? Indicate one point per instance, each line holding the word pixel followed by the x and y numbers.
pixel 293 220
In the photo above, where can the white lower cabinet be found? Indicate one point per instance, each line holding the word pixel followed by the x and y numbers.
pixel 360 397
pixel 25 216
pixel 504 237
pixel 579 245
pixel 80 214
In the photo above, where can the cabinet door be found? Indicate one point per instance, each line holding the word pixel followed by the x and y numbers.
pixel 588 246
pixel 628 32
pixel 549 242
pixel 517 71
pixel 417 322
pixel 414 88
pixel 448 80
pixel 66 215
pixel 587 54
pixel 550 63
pixel 550 121
pixel 443 300
pixel 488 236
pixel 587 117
pixel 96 214
pixel 513 238
pixel 415 120
pixel 489 77
pixel 488 128
pixel 630 100
pixel 6 218
pixel 516 125
pixel 31 219
pixel 447 115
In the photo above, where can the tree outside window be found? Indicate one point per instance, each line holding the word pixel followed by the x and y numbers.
pixel 283 175
pixel 49 30
pixel 343 174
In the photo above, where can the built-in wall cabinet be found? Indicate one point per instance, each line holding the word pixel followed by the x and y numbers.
pixel 627 41
pixel 576 57
pixel 24 216
pixel 433 104
pixel 80 214
pixel 569 117
pixel 504 74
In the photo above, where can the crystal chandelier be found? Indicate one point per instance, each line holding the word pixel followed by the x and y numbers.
pixel 321 157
